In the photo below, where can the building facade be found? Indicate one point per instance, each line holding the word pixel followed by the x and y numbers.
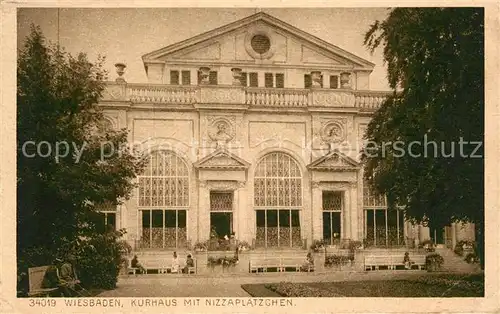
pixel 253 128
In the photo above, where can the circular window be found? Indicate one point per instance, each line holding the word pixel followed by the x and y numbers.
pixel 260 44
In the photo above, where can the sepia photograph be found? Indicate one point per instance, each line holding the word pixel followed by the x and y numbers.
pixel 249 155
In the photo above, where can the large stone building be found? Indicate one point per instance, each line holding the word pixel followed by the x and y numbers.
pixel 253 128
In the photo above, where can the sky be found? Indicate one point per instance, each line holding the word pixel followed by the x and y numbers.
pixel 124 35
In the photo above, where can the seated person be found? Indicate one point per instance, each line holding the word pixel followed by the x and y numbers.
pixel 135 264
pixel 189 263
pixel 68 279
pixel 407 261
pixel 309 262
pixel 175 263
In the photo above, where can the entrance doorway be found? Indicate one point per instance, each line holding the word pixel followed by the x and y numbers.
pixel 221 214
pixel 222 223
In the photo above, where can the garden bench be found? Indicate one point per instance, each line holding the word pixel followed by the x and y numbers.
pixel 154 265
pixel 35 278
pixel 375 262
pixel 280 263
pixel 264 264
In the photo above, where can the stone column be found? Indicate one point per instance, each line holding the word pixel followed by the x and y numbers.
pixel 203 224
pixel 354 211
pixel 424 233
pixel 243 230
pixel 317 211
pixel 453 236
pixel 346 232
pixel 194 76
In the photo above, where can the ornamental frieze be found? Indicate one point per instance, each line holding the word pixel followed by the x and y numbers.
pixel 332 99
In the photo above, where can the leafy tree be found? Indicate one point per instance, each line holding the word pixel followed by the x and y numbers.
pixel 435 61
pixel 57 196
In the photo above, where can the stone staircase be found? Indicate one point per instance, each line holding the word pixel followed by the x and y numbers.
pixel 455 263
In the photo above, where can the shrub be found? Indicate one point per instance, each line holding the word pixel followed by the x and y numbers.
pixel 471 258
pixel 464 245
pixel 433 261
pixel 337 260
pixel 100 258
pixel 200 246
pixel 244 246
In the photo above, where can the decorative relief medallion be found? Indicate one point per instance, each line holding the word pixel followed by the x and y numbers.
pixel 333 131
pixel 221 130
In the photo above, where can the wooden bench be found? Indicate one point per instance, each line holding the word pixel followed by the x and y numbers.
pixel 281 264
pixel 162 268
pixel 375 262
pixel 35 277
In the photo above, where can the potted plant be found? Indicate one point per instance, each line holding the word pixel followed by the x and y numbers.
pixel 428 245
pixel 317 246
pixel 433 262
pixel 244 246
pixel 200 247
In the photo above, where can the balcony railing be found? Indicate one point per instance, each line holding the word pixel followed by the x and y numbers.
pixel 253 97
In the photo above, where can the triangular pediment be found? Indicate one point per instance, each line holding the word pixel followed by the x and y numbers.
pixel 315 56
pixel 334 161
pixel 208 45
pixel 221 159
pixel 207 52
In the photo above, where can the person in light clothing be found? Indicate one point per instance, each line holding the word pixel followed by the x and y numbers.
pixel 175 263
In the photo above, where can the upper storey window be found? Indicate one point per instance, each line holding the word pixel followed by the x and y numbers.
pixel 182 77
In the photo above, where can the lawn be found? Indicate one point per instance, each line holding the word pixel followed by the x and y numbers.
pixel 425 286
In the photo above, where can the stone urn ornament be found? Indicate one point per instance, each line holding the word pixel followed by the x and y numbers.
pixel 345 80
pixel 204 75
pixel 316 79
pixel 120 70
pixel 236 76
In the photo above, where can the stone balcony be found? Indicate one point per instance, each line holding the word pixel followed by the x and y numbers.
pixel 250 97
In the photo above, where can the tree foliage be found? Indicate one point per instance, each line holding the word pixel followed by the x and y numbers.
pixel 435 62
pixel 57 96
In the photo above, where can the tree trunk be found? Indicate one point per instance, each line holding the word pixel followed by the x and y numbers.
pixel 480 243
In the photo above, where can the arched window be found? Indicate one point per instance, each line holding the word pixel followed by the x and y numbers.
pixel 278 200
pixel 163 201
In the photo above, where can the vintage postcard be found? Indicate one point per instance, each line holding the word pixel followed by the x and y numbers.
pixel 253 157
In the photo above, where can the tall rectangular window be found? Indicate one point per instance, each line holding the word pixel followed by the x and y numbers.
pixel 212 78
pixel 174 77
pixel 254 79
pixel 268 80
pixel 334 81
pixel 186 77
pixel 244 79
pixel 307 81
pixel 280 80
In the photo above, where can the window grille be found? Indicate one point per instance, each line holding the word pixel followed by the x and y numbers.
pixel 221 201
pixel 165 182
pixel 278 182
pixel 174 77
pixel 186 77
pixel 332 201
